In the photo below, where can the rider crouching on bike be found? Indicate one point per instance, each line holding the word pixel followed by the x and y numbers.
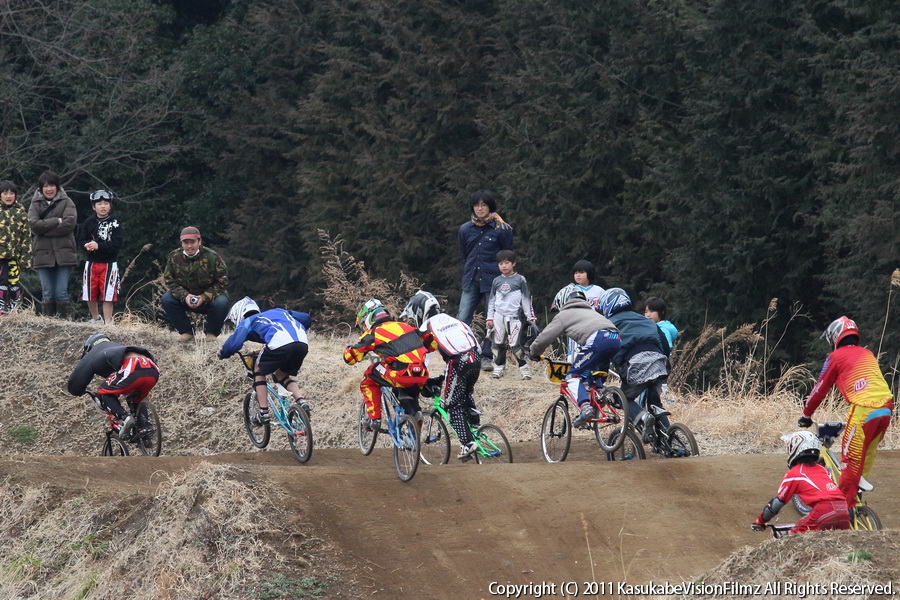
pixel 812 482
pixel 642 359
pixel 130 371
pixel 286 345
pixel 597 339
pixel 459 348
pixel 402 363
pixel 855 372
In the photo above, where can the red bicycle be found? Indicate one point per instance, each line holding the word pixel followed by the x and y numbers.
pixel 611 418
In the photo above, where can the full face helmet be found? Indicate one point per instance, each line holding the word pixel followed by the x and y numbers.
pixel 242 309
pixel 612 301
pixel 800 444
pixel 566 294
pixel 422 306
pixel 371 312
pixel 92 341
pixel 839 329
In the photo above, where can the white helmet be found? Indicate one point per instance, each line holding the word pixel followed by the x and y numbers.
pixel 421 307
pixel 566 294
pixel 800 444
pixel 242 309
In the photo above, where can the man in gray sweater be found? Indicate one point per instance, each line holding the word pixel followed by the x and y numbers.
pixel 596 336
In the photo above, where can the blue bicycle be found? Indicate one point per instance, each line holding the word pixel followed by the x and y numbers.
pixel 291 417
pixel 402 429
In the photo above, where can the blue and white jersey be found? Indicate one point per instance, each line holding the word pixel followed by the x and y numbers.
pixel 592 294
pixel 274 328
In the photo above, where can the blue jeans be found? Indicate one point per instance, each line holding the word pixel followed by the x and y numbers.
pixel 468 302
pixel 215 313
pixel 54 283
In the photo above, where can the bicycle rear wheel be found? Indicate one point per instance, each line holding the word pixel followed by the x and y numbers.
pixel 630 449
pixel 493 445
pixel 257 432
pixel 366 436
pixel 300 436
pixel 113 446
pixel 864 519
pixel 556 432
pixel 434 441
pixel 681 441
pixel 613 414
pixel 406 453
pixel 149 432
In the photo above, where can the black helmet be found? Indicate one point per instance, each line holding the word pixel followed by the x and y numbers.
pixel 92 341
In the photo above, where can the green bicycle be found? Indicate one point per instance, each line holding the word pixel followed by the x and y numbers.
pixel 434 446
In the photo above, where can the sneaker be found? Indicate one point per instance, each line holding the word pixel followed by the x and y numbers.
pixel 305 407
pixel 373 424
pixel 487 364
pixel 466 450
pixel 525 372
pixel 126 426
pixel 498 372
pixel 186 338
pixel 588 412
pixel 261 418
pixel 645 424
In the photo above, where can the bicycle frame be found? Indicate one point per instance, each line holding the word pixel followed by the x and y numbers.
pixel 278 402
pixel 604 415
pixel 484 446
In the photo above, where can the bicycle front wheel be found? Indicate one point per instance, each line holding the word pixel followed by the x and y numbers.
pixel 556 432
pixel 630 449
pixel 493 447
pixel 365 435
pixel 149 430
pixel 434 441
pixel 113 446
pixel 300 435
pixel 681 441
pixel 406 447
pixel 864 519
pixel 257 432
pixel 612 415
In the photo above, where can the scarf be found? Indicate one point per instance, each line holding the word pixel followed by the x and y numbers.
pixel 491 218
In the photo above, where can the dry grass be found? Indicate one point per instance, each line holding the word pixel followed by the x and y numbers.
pixel 198 536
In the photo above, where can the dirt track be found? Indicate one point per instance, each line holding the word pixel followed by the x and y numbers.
pixel 455 529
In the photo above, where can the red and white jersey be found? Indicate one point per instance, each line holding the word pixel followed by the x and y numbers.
pixel 450 336
pixel 811 482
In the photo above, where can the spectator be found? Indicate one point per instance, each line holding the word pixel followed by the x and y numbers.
pixel 52 217
pixel 15 246
pixel 480 239
pixel 196 278
pixel 509 298
pixel 102 236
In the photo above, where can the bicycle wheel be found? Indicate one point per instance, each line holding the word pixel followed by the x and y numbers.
pixel 149 431
pixel 556 432
pixel 681 441
pixel 113 446
pixel 493 445
pixel 630 449
pixel 366 436
pixel 406 453
pixel 864 519
pixel 258 433
pixel 434 441
pixel 300 436
pixel 613 415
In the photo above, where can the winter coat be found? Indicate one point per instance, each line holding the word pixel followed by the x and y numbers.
pixel 576 320
pixel 53 225
pixel 203 274
pixel 107 232
pixel 15 235
pixel 638 334
pixel 479 245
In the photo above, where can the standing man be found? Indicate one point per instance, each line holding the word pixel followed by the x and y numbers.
pixel 196 278
pixel 480 239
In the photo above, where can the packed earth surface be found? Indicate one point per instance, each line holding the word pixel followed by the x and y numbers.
pixel 348 527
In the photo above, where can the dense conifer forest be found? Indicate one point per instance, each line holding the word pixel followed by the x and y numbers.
pixel 739 159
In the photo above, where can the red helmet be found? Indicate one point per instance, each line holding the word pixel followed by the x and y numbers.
pixel 839 329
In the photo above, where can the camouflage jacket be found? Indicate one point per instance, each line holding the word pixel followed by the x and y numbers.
pixel 203 274
pixel 15 235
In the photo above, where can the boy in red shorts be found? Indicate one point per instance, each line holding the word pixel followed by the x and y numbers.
pixel 101 235
pixel 811 481
pixel 130 371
